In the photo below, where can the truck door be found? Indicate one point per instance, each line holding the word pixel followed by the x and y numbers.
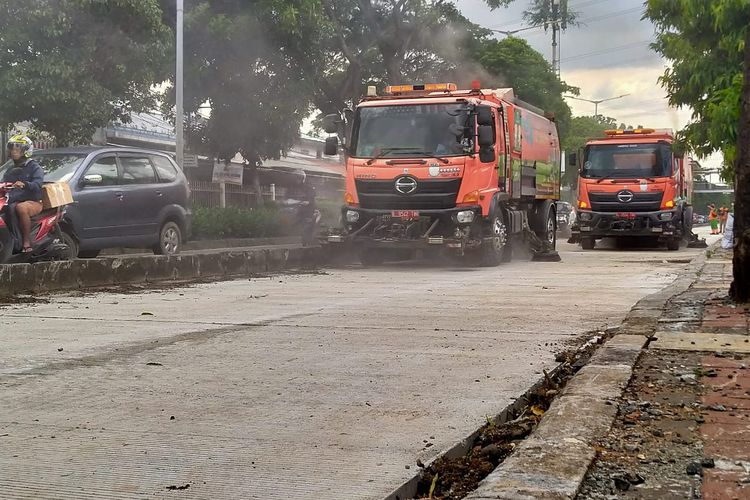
pixel 503 151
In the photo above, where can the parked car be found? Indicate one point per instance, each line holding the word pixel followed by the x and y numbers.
pixel 124 197
pixel 565 217
pixel 699 219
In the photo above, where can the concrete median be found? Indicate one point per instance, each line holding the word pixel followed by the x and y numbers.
pixel 46 277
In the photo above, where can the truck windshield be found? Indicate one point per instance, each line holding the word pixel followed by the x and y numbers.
pixel 615 161
pixel 411 130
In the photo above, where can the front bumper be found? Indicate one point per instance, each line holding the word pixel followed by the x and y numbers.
pixel 603 224
pixel 378 228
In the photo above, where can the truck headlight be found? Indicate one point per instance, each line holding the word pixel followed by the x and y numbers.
pixel 585 216
pixel 666 216
pixel 352 216
pixel 465 216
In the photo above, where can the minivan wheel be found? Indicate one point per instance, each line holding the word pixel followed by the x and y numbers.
pixel 170 240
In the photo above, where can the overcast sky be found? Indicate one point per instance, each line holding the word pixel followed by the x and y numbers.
pixel 608 55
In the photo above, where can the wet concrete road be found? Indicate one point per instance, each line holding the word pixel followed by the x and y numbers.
pixel 305 386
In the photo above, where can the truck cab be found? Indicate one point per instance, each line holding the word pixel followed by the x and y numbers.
pixel 633 185
pixel 432 167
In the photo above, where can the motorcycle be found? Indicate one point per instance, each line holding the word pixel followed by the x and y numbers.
pixel 47 239
pixel 565 223
pixel 306 219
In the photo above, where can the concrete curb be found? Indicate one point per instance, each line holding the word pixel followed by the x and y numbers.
pixel 552 463
pixel 224 244
pixel 46 277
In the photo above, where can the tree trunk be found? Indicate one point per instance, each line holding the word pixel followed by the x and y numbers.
pixel 256 186
pixel 740 289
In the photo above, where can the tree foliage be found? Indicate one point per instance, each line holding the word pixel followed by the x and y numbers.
pixel 237 61
pixel 379 42
pixel 708 44
pixel 516 64
pixel 704 41
pixel 70 66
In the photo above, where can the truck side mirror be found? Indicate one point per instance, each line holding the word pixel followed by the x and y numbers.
pixel 487 154
pixel 331 123
pixel 332 146
pixel 484 115
pixel 485 136
pixel 572 159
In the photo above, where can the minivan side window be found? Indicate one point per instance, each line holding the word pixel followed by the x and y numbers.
pixel 106 166
pixel 165 169
pixel 137 170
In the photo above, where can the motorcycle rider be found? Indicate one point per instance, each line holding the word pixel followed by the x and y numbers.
pixel 307 214
pixel 27 177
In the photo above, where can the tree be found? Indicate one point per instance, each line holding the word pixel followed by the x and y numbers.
pixel 377 42
pixel 707 43
pixel 530 75
pixel 70 66
pixel 237 61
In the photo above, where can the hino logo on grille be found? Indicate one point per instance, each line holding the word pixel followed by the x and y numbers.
pixel 625 196
pixel 406 185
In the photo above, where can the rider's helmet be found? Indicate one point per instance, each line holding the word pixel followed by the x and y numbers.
pixel 22 142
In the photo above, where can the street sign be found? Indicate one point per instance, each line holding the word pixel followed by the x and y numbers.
pixel 227 173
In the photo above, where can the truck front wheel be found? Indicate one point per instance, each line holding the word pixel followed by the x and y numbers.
pixel 588 243
pixel 495 246
pixel 673 244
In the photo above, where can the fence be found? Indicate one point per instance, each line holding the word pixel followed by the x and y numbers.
pixel 208 195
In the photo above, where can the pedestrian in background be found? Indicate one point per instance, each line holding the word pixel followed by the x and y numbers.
pixel 713 218
pixel 723 215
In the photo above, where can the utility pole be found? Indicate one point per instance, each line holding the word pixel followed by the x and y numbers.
pixel 555 34
pixel 178 123
pixel 596 102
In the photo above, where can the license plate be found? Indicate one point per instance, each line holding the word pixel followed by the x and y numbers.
pixel 405 214
pixel 625 215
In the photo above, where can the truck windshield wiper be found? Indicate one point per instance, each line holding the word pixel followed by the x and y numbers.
pixel 604 177
pixel 385 151
pixel 432 155
pixel 634 178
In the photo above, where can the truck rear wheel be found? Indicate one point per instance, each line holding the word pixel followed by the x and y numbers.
pixel 588 243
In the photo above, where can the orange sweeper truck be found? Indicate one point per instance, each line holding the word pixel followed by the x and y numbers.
pixel 434 167
pixel 633 185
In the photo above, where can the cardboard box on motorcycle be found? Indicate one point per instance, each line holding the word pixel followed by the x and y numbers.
pixel 56 194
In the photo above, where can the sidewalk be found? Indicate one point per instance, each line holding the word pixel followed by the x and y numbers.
pixel 683 424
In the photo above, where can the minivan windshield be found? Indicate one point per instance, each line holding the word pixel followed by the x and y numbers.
pixel 613 161
pixel 58 167
pixel 411 130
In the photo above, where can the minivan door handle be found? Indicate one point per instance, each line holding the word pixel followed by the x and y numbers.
pixel 119 194
pixel 159 193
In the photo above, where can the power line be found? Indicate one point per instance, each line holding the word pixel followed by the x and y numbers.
pixel 570 6
pixel 607 50
pixel 624 62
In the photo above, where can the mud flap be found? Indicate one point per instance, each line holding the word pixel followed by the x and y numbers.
pixel 695 242
pixel 541 248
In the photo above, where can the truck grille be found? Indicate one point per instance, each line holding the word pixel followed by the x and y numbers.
pixel 431 194
pixel 642 202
